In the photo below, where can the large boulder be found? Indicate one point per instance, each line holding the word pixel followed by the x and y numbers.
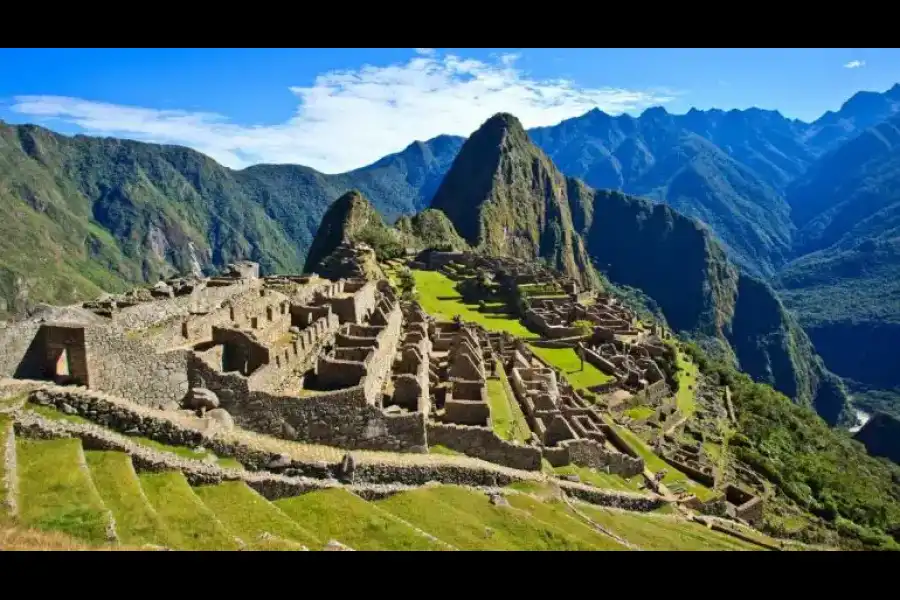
pixel 202 398
pixel 221 418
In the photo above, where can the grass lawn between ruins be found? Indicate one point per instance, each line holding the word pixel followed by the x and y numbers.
pixel 568 361
pixel 507 419
pixel 685 398
pixel 438 296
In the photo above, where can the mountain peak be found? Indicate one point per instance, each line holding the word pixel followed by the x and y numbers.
pixel 654 112
pixel 505 197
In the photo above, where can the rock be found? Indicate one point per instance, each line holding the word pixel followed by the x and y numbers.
pixel 572 477
pixel 294 329
pixel 133 431
pixel 222 418
pixel 67 409
pixel 498 500
pixel 393 410
pixel 41 397
pixel 336 545
pixel 348 466
pixel 279 462
pixel 203 398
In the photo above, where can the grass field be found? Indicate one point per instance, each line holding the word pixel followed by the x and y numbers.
pixel 602 480
pixel 507 418
pixel 640 412
pixel 55 490
pixel 192 525
pixel 661 533
pixel 338 514
pixel 687 384
pixel 467 520
pixel 567 360
pixel 438 296
pixel 250 516
pixel 118 485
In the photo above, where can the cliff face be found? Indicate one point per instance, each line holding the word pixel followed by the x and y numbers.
pixel 881 436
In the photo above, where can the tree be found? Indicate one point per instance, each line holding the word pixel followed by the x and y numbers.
pixel 407 282
pixel 585 329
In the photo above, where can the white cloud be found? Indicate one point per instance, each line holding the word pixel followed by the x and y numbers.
pixel 425 51
pixel 347 119
pixel 855 64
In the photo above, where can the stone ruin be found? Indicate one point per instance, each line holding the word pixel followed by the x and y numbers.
pixel 566 425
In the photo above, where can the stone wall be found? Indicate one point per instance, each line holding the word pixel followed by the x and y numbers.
pixel 131 369
pixel 342 418
pixel 589 453
pixel 481 442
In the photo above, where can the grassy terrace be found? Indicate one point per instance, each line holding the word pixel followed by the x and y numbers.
pixel 602 480
pixel 467 520
pixel 438 296
pixel 662 533
pixel 55 490
pixel 136 521
pixel 338 514
pixel 567 360
pixel 507 418
pixel 674 478
pixel 249 516
pixel 192 525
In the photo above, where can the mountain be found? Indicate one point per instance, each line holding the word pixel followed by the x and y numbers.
pixel 505 197
pixel 656 155
pixel 863 110
pixel 845 288
pixel 881 436
pixel 106 213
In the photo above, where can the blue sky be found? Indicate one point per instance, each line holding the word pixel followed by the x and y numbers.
pixel 337 109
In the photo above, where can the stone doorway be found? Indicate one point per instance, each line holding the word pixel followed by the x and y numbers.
pixel 65 356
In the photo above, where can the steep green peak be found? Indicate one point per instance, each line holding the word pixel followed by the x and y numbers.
pixel 348 218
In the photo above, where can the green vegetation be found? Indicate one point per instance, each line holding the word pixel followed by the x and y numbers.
pixel 5 432
pixel 466 519
pixel 651 532
pixel 250 516
pixel 50 412
pixel 91 204
pixel 55 490
pixel 639 413
pixel 438 296
pixel 568 361
pixel 136 522
pixel 439 449
pixel 813 467
pixel 674 479
pixel 685 398
pixel 602 480
pixel 556 514
pixel 190 523
pixel 338 514
pixel 507 419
